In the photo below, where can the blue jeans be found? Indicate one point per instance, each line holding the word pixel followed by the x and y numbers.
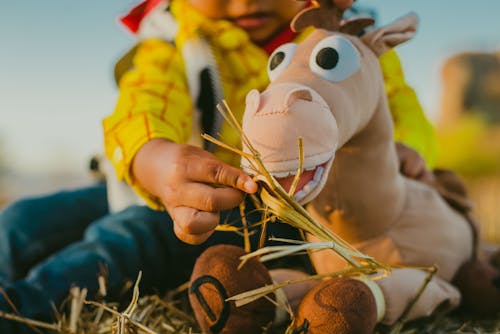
pixel 31 229
pixel 48 244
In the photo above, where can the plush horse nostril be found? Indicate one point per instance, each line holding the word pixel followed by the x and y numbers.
pixel 298 94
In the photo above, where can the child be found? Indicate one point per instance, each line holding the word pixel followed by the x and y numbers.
pixel 144 157
pixel 220 49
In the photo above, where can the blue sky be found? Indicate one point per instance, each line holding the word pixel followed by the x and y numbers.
pixel 56 68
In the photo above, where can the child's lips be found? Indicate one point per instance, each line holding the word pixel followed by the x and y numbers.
pixel 253 21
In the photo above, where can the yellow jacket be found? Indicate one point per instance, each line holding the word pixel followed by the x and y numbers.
pixel 411 125
pixel 155 102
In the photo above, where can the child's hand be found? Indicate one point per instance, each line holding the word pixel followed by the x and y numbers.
pixel 193 185
pixel 412 165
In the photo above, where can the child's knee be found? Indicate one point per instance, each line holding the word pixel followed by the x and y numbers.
pixel 17 214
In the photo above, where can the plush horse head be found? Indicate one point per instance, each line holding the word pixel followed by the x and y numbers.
pixel 329 91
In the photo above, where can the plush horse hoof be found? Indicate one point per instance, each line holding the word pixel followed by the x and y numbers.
pixel 479 284
pixel 337 306
pixel 215 278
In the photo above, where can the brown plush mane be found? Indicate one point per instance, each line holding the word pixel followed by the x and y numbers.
pixel 325 15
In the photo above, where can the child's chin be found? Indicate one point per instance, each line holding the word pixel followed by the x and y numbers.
pixel 264 34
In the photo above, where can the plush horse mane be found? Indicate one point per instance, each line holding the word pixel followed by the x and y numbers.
pixel 325 15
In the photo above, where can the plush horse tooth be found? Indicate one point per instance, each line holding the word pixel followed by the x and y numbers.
pixel 280 174
pixel 310 186
pixel 294 172
pixel 318 174
pixel 299 195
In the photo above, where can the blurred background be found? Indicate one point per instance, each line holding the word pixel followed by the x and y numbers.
pixel 56 85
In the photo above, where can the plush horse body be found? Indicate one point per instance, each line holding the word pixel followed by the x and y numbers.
pixel 329 91
pixel 347 130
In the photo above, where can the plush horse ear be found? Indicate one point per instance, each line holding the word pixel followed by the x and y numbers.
pixel 385 38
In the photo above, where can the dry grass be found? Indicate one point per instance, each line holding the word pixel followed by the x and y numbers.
pixel 450 324
pixel 171 315
pixel 143 315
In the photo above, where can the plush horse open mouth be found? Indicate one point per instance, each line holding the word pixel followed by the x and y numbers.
pixel 311 180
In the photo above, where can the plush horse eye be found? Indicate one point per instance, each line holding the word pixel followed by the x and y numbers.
pixel 334 58
pixel 327 58
pixel 280 59
pixel 276 60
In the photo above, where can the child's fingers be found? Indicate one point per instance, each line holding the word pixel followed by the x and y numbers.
pixel 413 167
pixel 427 177
pixel 193 226
pixel 192 239
pixel 203 197
pixel 216 172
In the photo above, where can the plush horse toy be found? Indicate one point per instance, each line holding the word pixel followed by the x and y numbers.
pixel 329 91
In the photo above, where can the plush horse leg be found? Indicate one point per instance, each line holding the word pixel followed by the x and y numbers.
pixel 215 278
pixel 401 288
pixel 293 293
pixel 340 306
pixel 479 278
pixel 479 284
pixel 348 306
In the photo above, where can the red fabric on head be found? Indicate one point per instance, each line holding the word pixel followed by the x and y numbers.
pixel 133 18
pixel 285 36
